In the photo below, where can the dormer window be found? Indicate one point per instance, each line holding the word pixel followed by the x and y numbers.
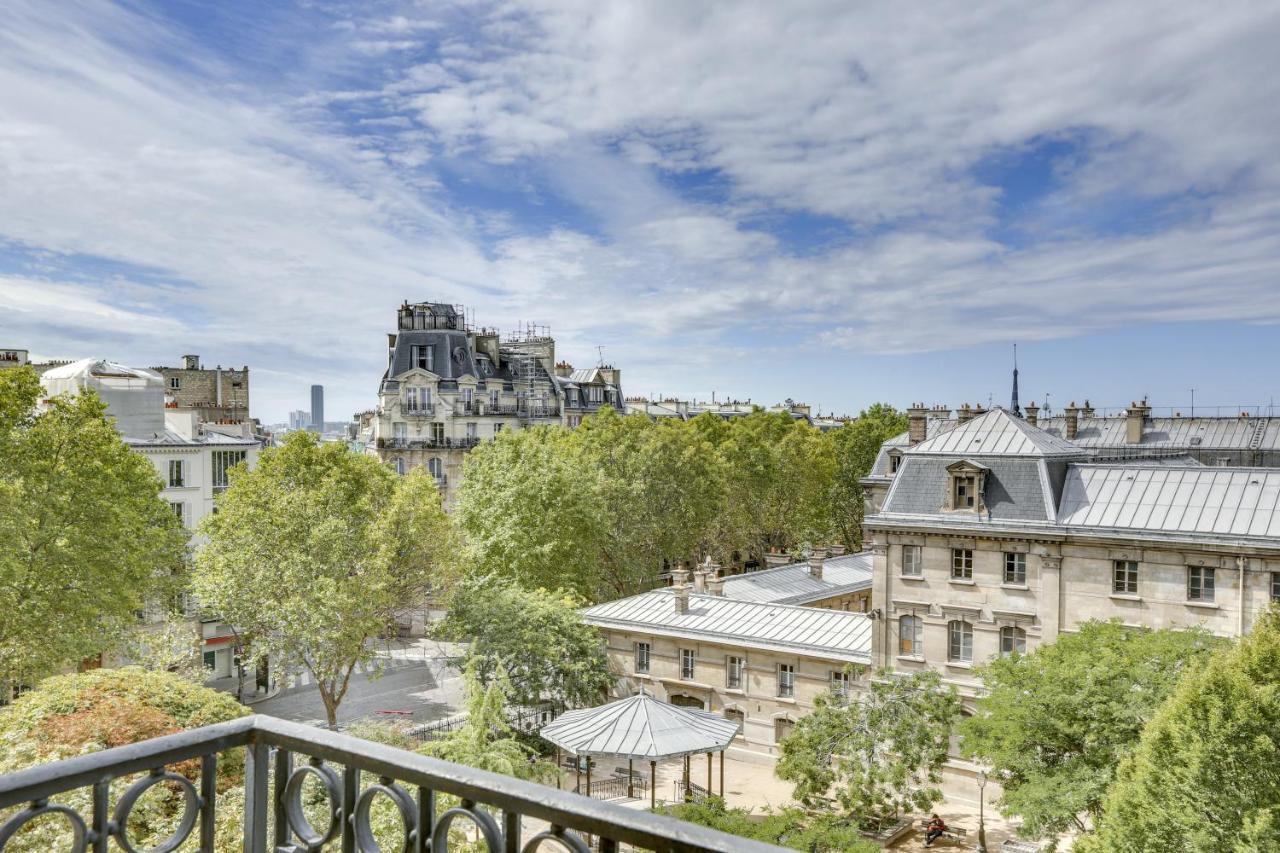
pixel 423 357
pixel 895 461
pixel 967 482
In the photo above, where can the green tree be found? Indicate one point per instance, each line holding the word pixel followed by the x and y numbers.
pixel 789 827
pixel 1054 724
pixel 878 754
pixel 85 541
pixel 486 741
pixel 1205 775
pixel 171 645
pixel 316 551
pixel 856 445
pixel 535 637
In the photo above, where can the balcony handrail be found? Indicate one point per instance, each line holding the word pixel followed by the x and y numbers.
pixel 565 810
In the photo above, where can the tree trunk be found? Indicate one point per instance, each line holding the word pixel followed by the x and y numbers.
pixel 330 708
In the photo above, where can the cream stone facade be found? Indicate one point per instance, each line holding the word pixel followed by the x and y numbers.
pixel 449 387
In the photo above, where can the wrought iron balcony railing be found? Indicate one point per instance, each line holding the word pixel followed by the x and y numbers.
pixel 494 804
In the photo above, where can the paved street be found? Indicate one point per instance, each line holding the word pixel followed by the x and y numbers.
pixel 414 678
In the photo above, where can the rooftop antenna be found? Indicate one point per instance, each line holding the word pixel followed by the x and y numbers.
pixel 1193 402
pixel 600 352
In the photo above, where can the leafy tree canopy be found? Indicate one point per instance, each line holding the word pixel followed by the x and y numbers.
pixel 1055 723
pixel 1206 774
pixel 535 637
pixel 878 754
pixel 857 444
pixel 316 551
pixel 790 827
pixel 85 540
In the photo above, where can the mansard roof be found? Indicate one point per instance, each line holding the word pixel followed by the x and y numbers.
pixel 996 433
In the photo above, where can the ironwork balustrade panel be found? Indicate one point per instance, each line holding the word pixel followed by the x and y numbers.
pixel 410 782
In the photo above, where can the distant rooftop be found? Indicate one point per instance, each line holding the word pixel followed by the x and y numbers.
pixel 793 584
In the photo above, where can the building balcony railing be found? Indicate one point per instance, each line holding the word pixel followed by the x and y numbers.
pixel 419 412
pixel 465 443
pixel 354 773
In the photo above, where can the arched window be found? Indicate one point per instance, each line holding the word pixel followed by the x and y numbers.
pixel 1013 640
pixel 911 636
pixel 959 641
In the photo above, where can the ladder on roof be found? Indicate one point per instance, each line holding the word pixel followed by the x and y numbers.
pixel 1259 430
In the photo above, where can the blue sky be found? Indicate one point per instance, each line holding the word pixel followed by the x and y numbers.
pixel 831 203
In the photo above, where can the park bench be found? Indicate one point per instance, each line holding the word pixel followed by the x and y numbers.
pixel 951 833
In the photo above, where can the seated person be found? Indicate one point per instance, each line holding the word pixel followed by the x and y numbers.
pixel 936 827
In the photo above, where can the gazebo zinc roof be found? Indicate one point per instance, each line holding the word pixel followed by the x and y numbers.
pixel 640 727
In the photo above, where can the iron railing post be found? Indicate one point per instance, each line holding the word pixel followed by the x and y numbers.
pixel 209 795
pixel 256 771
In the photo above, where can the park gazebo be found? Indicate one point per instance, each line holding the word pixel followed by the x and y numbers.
pixel 643 728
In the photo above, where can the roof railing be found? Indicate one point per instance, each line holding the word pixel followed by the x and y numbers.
pixel 353 774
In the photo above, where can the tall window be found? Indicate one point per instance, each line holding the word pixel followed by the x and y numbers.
pixel 1124 578
pixel 781 728
pixel 965 491
pixel 959 641
pixel 399 430
pixel 895 461
pixel 179 511
pixel 400 466
pixel 176 472
pixel 1275 586
pixel 911 636
pixel 471 429
pixel 840 682
pixel 497 428
pixel 1013 640
pixel 224 461
pixel 1199 583
pixel 493 397
pixel 175 383
pixel 437 432
pixel 686 664
pixel 467 396
pixel 642 657
pixel 912 561
pixel 962 564
pixel 417 399
pixel 435 466
pixel 733 670
pixel 424 357
pixel 1015 568
pixel 786 680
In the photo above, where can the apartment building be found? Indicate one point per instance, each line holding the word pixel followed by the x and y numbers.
pixel 447 387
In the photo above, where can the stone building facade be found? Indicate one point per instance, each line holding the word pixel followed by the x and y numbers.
pixel 448 387
pixel 217 395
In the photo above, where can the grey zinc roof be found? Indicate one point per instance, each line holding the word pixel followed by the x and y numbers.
pixel 1242 502
pixel 1016 489
pixel 794 585
pixel 173 439
pixel 832 634
pixel 640 727
pixel 996 433
pixel 1204 433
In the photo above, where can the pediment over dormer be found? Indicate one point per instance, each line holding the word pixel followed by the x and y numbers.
pixel 967 465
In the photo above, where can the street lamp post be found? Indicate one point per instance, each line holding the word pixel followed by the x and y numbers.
pixel 982 801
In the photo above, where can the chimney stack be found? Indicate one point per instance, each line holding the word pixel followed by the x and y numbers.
pixel 680 583
pixel 1087 409
pixel 713 583
pixel 941 412
pixel 774 559
pixel 964 413
pixel 191 362
pixel 837 550
pixel 1033 412
pixel 1072 415
pixel 1134 419
pixel 817 557
pixel 917 424
pixel 715 586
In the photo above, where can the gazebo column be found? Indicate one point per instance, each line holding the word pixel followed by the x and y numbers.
pixel 653 784
pixel 710 789
pixel 688 792
pixel 722 774
pixel 559 769
pixel 588 775
pixel 577 774
pixel 630 781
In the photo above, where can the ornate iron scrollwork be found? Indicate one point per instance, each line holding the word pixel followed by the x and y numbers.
pixel 365 842
pixel 568 840
pixel 79 831
pixel 190 811
pixel 296 816
pixel 484 822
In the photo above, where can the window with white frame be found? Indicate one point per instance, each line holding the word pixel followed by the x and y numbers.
pixel 959 641
pixel 1199 583
pixel 497 428
pixel 1013 640
pixel 436 466
pixel 400 466
pixel 686 664
pixel 424 357
pixel 437 432
pixel 642 657
pixel 179 511
pixel 965 492
pixel 177 473
pixel 471 429
pixel 734 669
pixel 1124 577
pixel 912 561
pixel 895 461
pixel 911 636
pixel 786 680
pixel 493 397
pixel 1015 568
pixel 399 430
pixel 962 564
pixel 223 462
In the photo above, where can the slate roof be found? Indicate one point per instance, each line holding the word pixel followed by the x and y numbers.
pixel 1016 489
pixel 173 439
pixel 996 432
pixel 794 585
pixel 1236 502
pixel 832 634
pixel 640 727
pixel 1174 433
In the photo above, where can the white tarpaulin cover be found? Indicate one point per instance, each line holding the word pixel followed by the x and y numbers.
pixel 640 727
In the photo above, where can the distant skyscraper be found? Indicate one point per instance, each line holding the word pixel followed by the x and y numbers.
pixel 317 408
pixel 299 419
